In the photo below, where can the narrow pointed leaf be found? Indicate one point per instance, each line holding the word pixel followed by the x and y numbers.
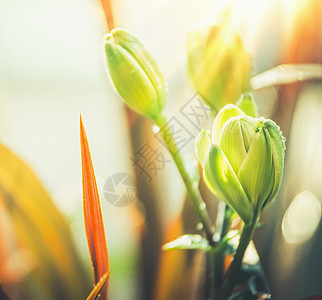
pixel 278 152
pixel 94 226
pixel 247 104
pixel 97 290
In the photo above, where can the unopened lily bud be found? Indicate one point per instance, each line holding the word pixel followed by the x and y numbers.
pixel 244 166
pixel 135 73
pixel 218 64
pixel 247 104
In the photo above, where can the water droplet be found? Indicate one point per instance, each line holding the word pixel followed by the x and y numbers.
pixel 202 206
pixel 155 129
pixel 199 226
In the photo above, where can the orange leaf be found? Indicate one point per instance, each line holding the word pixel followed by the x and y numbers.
pixel 228 260
pixel 96 292
pixel 92 214
pixel 107 8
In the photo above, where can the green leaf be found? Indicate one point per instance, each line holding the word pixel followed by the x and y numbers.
pixel 222 180
pixel 247 104
pixel 189 242
pixel 202 146
pixel 286 74
pixel 278 152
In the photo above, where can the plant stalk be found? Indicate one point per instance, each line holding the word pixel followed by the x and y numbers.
pixel 212 272
pixel 223 222
pixel 235 267
pixel 191 185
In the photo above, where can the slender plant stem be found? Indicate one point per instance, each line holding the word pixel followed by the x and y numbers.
pixel 223 222
pixel 191 185
pixel 228 212
pixel 212 272
pixel 235 267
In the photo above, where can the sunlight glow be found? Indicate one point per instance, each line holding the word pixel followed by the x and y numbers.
pixel 302 218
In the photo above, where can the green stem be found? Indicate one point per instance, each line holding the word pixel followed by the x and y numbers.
pixel 223 222
pixel 212 272
pixel 191 185
pixel 235 267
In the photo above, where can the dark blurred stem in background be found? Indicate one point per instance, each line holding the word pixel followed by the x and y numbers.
pixel 151 238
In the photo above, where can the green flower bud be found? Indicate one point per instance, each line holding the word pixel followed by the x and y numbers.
pixel 244 165
pixel 202 145
pixel 218 64
pixel 247 104
pixel 135 73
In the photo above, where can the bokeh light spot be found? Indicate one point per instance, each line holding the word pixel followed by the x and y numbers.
pixel 302 218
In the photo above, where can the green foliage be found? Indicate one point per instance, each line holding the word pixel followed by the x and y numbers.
pixel 189 242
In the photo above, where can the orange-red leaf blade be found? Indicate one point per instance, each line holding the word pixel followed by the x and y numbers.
pixel 97 290
pixel 107 8
pixel 94 226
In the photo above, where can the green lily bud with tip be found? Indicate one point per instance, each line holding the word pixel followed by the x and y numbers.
pixel 247 104
pixel 218 64
pixel 135 73
pixel 244 160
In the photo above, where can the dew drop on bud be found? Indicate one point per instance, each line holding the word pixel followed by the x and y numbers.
pixel 202 206
pixel 199 226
